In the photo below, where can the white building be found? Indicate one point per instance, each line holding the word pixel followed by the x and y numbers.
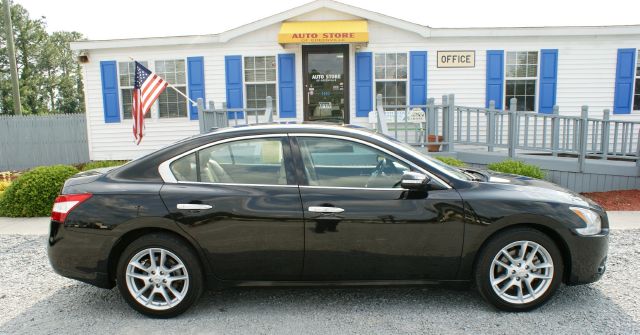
pixel 326 59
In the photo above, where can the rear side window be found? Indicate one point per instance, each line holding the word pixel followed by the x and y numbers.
pixel 185 169
pixel 254 161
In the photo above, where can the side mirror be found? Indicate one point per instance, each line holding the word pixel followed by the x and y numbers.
pixel 414 181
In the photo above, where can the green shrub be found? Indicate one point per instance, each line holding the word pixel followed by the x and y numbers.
pixel 517 167
pixel 100 164
pixel 450 161
pixel 33 193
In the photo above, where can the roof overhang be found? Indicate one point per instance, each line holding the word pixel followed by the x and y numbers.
pixel 355 31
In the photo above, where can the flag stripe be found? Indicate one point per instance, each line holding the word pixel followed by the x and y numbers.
pixel 147 88
pixel 151 97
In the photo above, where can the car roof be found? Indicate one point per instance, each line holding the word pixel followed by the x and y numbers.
pixel 287 126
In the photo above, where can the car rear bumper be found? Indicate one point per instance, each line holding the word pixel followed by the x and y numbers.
pixel 588 258
pixel 79 255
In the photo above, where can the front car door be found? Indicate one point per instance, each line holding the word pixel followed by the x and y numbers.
pixel 239 200
pixel 360 225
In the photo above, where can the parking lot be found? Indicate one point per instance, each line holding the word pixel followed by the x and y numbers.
pixel 34 300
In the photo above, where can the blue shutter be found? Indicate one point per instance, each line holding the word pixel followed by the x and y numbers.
pixel 195 70
pixel 624 81
pixel 548 80
pixel 418 77
pixel 110 101
pixel 495 77
pixel 364 83
pixel 233 79
pixel 287 85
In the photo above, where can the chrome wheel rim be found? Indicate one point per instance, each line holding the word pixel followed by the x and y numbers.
pixel 521 272
pixel 157 278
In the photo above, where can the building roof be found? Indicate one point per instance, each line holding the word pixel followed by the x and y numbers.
pixel 424 31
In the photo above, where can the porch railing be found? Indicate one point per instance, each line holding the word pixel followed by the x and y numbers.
pixel 212 117
pixel 447 124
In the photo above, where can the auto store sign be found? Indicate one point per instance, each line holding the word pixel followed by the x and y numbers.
pixel 456 59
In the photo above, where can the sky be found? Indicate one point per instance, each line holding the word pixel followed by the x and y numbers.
pixel 111 19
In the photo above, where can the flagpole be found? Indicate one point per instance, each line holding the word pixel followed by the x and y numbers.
pixel 176 89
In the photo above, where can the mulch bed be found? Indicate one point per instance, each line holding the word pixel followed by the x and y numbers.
pixel 628 200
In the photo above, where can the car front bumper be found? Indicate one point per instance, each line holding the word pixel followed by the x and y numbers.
pixel 588 258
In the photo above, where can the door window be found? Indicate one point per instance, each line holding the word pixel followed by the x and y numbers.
pixel 325 84
pixel 255 161
pixel 340 163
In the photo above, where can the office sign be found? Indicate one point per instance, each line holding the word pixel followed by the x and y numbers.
pixel 457 59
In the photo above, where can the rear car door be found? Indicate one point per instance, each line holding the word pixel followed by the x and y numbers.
pixel 359 225
pixel 239 200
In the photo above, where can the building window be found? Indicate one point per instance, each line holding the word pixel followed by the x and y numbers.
pixel 521 77
pixel 170 103
pixel 391 78
pixel 127 76
pixel 636 95
pixel 260 81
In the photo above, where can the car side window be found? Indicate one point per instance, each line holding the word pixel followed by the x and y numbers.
pixel 184 169
pixel 254 161
pixel 334 162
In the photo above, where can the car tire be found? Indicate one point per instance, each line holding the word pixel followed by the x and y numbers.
pixel 159 275
pixel 513 281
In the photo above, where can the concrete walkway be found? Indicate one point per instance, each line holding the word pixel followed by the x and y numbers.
pixel 40 226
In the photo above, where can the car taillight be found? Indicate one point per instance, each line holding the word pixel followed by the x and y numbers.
pixel 64 204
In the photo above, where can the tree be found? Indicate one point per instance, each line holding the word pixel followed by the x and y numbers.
pixel 50 78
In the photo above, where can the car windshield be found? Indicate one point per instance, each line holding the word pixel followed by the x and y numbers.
pixel 443 167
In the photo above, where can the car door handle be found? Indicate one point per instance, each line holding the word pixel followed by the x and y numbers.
pixel 323 209
pixel 194 206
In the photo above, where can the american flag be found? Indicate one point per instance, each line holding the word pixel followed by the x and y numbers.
pixel 146 89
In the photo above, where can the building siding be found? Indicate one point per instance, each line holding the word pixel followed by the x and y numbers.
pixel 586 76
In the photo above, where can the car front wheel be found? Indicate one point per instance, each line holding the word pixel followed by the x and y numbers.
pixel 159 276
pixel 519 269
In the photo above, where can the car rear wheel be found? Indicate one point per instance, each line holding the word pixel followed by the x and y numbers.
pixel 519 269
pixel 159 276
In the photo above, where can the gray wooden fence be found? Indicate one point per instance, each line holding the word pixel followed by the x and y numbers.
pixel 29 141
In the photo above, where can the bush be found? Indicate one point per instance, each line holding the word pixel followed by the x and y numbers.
pixel 450 161
pixel 517 167
pixel 33 193
pixel 100 164
pixel 3 187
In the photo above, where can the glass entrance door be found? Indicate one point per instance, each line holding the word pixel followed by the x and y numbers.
pixel 326 83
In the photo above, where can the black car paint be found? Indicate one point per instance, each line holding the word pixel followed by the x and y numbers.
pixel 446 226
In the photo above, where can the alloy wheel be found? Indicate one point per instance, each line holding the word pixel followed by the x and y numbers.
pixel 521 272
pixel 157 278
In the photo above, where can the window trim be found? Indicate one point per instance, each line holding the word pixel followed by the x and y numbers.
pixel 121 96
pixel 156 104
pixel 167 176
pixel 376 147
pixel 154 111
pixel 636 77
pixel 385 80
pixel 245 82
pixel 164 169
pixel 536 78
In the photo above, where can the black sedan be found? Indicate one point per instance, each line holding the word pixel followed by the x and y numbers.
pixel 313 204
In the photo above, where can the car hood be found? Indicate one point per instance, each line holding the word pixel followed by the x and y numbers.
pixel 538 189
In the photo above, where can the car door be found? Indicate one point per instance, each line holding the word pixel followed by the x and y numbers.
pixel 240 202
pixel 359 225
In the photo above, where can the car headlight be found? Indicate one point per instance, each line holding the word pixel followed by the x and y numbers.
pixel 591 218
